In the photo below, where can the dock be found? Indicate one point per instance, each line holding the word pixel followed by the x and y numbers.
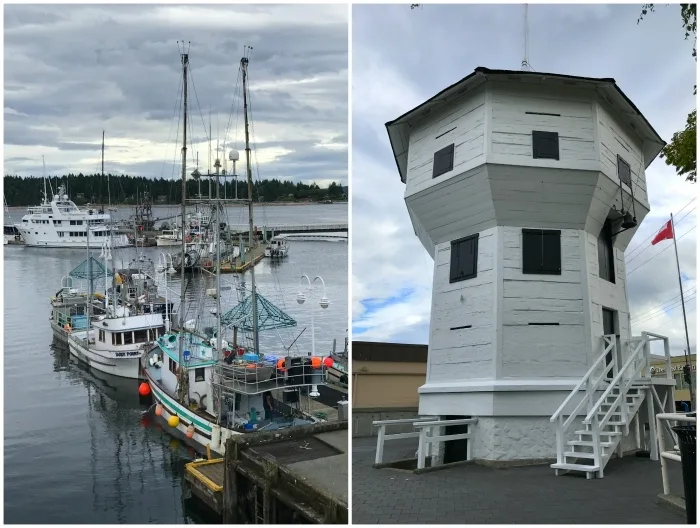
pixel 252 257
pixel 296 475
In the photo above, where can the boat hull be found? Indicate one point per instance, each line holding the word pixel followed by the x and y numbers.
pixel 34 240
pixel 203 428
pixel 127 367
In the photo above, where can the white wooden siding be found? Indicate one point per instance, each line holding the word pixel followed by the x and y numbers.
pixel 605 294
pixel 616 139
pixel 463 121
pixel 542 351
pixel 511 127
pixel 465 353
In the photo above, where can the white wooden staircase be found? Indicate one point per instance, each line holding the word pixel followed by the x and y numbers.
pixel 610 394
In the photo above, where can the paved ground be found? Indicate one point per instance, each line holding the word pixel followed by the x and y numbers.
pixel 476 494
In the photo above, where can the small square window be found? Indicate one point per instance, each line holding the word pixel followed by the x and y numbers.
pixel 199 374
pixel 444 160
pixel 541 252
pixel 463 258
pixel 545 145
pixel 623 171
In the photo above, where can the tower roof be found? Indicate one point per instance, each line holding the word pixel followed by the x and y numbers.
pixel 399 129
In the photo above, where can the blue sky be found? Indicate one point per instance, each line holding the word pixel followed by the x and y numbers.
pixel 401 57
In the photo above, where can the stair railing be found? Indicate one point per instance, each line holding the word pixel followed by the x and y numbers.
pixel 592 385
pixel 625 377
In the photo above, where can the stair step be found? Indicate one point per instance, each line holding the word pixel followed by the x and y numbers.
pixel 589 443
pixel 577 454
pixel 602 433
pixel 574 467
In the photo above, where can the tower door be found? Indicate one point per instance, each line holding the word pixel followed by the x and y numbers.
pixel 455 450
pixel 609 329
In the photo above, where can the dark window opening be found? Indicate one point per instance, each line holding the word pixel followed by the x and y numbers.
pixel 172 365
pixel 140 336
pixel 541 252
pixel 128 338
pixel 606 255
pixel 199 374
pixel 443 160
pixel 463 258
pixel 624 172
pixel 545 145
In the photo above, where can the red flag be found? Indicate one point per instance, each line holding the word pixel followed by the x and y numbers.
pixel 665 234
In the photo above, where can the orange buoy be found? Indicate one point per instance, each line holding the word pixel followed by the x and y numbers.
pixel 316 362
pixel 144 389
pixel 328 362
pixel 190 431
pixel 280 364
pixel 159 409
pixel 251 365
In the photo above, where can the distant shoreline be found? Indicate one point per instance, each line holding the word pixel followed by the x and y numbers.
pixel 125 206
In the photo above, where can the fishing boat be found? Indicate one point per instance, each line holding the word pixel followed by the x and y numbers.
pixel 277 248
pixel 169 238
pixel 208 388
pixel 129 316
pixel 59 223
pixel 69 308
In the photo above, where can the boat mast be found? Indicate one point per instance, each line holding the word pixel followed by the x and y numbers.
pixel 109 195
pixel 43 162
pixel 182 371
pixel 244 67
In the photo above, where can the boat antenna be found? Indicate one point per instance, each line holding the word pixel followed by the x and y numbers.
pixel 254 298
pixel 183 390
pixel 525 64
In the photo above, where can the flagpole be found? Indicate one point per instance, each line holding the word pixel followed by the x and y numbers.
pixel 685 321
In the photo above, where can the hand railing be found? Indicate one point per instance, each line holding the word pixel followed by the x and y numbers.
pixel 591 386
pixel 621 382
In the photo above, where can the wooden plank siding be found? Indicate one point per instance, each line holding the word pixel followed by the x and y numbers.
pixel 556 350
pixel 461 123
pixel 463 353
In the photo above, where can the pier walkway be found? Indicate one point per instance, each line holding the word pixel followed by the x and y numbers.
pixel 474 494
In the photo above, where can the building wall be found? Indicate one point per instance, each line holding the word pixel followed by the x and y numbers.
pixel 615 138
pixel 461 123
pixel 465 353
pixel 681 390
pixel 533 351
pixel 515 111
pixel 385 382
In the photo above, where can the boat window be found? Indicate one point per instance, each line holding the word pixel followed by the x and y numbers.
pixel 199 374
pixel 115 339
pixel 141 336
pixel 128 338
pixel 172 366
pixel 102 336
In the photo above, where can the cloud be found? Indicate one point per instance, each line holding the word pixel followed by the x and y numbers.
pixel 401 57
pixel 73 71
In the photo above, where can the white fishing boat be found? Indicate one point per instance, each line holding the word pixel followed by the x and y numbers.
pixel 59 223
pixel 131 316
pixel 208 388
pixel 169 238
pixel 277 248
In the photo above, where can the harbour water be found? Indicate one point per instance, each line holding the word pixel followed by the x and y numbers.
pixel 77 447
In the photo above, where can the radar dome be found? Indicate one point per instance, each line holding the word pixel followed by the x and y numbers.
pixel 233 155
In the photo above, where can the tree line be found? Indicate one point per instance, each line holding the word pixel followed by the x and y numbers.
pixel 129 190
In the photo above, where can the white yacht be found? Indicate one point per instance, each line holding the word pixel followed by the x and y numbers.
pixel 61 223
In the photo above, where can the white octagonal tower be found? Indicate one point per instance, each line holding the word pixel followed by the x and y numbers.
pixel 518 183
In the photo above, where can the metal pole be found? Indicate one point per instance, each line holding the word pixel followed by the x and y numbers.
pixel 685 321
pixel 256 343
pixel 182 372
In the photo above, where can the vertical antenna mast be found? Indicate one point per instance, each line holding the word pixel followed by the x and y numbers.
pixel 254 298
pixel 525 64
pixel 183 371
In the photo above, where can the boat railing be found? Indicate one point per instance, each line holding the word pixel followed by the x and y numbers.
pixel 255 378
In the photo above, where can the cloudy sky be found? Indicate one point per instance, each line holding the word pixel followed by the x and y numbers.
pixel 73 71
pixel 401 57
